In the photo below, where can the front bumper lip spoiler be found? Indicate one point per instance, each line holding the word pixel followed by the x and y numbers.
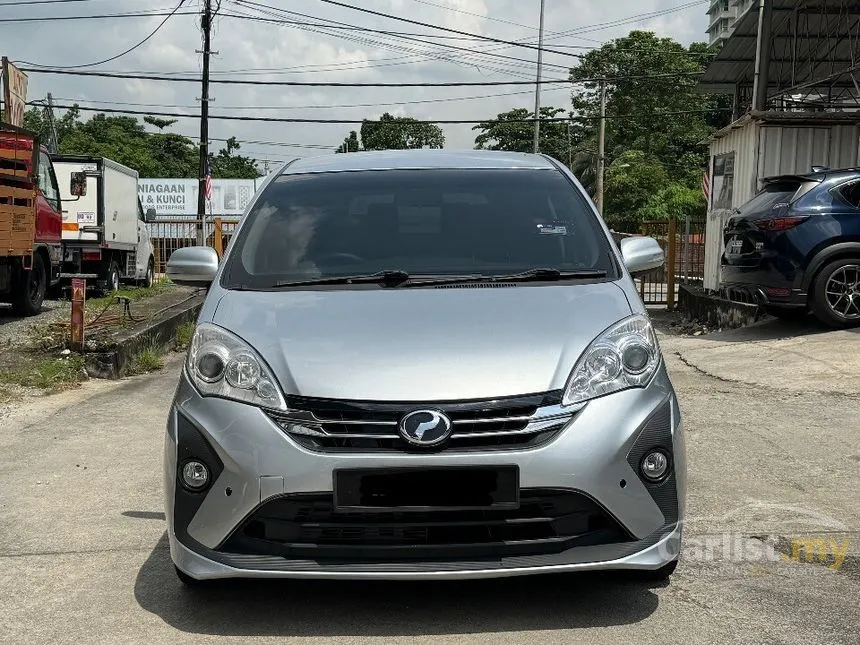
pixel 658 554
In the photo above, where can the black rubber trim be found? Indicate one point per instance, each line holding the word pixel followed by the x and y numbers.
pixel 191 444
pixel 656 433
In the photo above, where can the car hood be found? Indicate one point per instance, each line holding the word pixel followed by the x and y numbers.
pixel 422 344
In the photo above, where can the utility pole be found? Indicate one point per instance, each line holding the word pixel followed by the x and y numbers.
pixel 54 144
pixel 569 146
pixel 206 23
pixel 537 83
pixel 601 149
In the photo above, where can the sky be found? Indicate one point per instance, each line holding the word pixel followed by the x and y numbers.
pixel 297 48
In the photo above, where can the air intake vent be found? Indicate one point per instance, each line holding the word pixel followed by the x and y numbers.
pixel 478 285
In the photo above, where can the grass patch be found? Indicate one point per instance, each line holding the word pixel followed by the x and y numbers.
pixel 184 334
pixel 49 374
pixel 146 361
pixel 94 305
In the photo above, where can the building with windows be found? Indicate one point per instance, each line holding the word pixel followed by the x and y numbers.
pixel 723 15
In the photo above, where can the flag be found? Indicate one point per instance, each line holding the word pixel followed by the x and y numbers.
pixel 208 181
pixel 706 187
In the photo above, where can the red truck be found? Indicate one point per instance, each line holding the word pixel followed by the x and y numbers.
pixel 31 221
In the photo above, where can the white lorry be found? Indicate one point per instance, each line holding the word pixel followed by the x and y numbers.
pixel 105 239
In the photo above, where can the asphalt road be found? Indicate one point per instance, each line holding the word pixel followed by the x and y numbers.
pixel 84 558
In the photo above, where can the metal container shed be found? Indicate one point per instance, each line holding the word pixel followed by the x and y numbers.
pixel 765 144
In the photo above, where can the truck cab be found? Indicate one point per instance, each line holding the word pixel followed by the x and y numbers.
pixel 105 238
pixel 30 221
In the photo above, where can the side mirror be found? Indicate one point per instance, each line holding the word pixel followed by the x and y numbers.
pixel 149 215
pixel 193 266
pixel 641 254
pixel 78 184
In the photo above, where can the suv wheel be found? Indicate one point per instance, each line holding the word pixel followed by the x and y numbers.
pixel 836 293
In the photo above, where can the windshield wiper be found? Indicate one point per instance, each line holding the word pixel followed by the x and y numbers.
pixel 390 278
pixel 549 274
pixel 532 275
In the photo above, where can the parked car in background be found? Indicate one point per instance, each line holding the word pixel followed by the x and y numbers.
pixel 795 247
pixel 422 364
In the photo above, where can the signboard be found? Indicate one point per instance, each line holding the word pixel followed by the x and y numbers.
pixel 176 197
pixel 14 93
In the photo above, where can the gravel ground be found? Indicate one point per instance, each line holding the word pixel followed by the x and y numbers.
pixel 13 328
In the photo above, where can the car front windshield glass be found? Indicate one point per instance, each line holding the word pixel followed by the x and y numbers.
pixel 423 222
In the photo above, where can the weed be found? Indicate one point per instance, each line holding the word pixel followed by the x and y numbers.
pixel 50 374
pixel 184 334
pixel 145 361
pixel 94 305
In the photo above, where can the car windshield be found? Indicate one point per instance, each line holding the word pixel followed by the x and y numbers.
pixel 421 222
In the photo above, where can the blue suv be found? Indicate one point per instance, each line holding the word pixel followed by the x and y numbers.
pixel 795 246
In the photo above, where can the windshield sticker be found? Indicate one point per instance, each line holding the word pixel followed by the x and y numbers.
pixel 552 229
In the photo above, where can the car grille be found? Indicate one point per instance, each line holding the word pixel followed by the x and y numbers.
pixel 499 424
pixel 307 527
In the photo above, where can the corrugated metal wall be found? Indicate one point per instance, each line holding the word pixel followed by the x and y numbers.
pixel 789 150
pixel 768 150
pixel 743 141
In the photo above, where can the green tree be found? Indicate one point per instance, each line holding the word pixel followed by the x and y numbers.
pixel 400 133
pixel 512 131
pixel 674 201
pixel 631 180
pixel 350 143
pixel 652 105
pixel 227 165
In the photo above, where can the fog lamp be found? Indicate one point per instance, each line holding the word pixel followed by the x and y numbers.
pixel 655 466
pixel 195 475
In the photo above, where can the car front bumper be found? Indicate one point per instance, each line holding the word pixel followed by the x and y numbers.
pixel 597 455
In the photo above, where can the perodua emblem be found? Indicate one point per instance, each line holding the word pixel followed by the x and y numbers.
pixel 425 428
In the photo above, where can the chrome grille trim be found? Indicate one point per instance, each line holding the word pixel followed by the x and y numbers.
pixel 320 429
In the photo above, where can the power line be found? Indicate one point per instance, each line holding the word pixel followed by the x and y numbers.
pixel 30 2
pixel 511 43
pixel 317 107
pixel 169 79
pixel 262 8
pixel 121 54
pixel 106 16
pixel 359 121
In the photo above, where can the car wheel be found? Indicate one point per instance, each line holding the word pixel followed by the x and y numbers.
pixel 32 289
pixel 112 279
pixel 787 313
pixel 836 293
pixel 149 278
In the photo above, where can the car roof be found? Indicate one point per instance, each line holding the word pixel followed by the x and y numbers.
pixel 818 175
pixel 417 160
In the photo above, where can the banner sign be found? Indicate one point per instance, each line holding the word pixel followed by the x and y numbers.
pixel 14 93
pixel 177 197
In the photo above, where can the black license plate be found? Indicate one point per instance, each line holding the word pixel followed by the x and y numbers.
pixel 444 489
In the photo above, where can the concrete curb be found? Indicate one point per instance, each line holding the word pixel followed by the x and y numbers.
pixel 714 311
pixel 160 331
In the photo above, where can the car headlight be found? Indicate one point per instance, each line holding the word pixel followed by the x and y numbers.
pixel 624 356
pixel 221 364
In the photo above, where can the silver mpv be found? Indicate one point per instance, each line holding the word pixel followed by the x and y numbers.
pixel 422 364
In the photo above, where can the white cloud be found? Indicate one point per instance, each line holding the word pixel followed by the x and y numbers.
pixel 350 55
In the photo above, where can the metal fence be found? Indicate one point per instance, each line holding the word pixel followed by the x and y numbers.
pixel 684 246
pixel 167 235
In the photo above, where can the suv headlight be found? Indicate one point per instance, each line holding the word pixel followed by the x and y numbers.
pixel 221 364
pixel 624 356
